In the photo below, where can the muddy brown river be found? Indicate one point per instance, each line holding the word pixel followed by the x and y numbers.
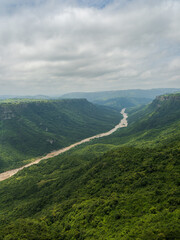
pixel 123 123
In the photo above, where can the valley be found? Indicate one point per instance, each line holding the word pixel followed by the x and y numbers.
pixel 89 120
pixel 30 128
pixel 122 186
pixel 123 123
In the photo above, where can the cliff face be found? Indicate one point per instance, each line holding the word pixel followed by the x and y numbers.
pixel 163 111
pixel 174 97
pixel 6 114
pixel 11 109
pixel 168 101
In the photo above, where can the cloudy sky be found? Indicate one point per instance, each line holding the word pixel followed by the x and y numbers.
pixel 54 47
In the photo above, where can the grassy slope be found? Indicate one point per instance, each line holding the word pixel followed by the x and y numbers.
pixel 101 191
pixel 30 128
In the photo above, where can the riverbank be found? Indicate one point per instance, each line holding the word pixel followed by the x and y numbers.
pixel 123 123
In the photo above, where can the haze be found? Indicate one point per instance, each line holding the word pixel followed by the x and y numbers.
pixel 54 47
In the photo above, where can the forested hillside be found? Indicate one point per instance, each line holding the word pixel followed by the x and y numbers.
pixel 124 186
pixel 155 124
pixel 30 128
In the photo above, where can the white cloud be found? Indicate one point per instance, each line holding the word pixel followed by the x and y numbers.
pixel 55 48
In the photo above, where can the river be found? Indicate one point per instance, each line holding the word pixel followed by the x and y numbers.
pixel 123 123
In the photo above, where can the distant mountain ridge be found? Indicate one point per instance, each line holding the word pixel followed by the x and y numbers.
pixel 136 93
pixel 123 102
pixel 3 97
pixel 102 95
pixel 122 98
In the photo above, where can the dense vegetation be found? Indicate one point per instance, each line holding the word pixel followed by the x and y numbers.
pixel 127 193
pixel 103 190
pixel 30 128
pixel 155 124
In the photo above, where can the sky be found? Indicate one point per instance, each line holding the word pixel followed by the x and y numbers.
pixel 52 47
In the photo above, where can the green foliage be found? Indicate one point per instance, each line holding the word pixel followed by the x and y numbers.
pixel 101 190
pixel 30 128
pixel 155 124
pixel 127 193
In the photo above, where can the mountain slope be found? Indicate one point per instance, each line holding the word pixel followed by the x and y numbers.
pixel 156 124
pixel 30 128
pixel 127 193
pixel 103 191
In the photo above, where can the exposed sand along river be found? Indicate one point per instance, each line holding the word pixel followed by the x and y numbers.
pixel 123 123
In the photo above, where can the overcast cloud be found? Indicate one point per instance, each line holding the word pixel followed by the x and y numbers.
pixel 54 47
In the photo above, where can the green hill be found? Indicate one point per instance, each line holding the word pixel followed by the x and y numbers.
pixel 124 186
pixel 30 128
pixel 155 124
